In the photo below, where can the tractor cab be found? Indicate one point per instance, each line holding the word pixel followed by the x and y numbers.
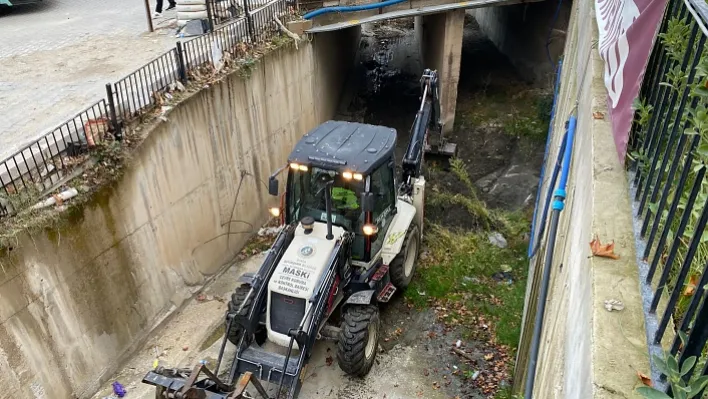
pixel 351 166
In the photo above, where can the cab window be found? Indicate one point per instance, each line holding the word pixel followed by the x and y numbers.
pixel 382 186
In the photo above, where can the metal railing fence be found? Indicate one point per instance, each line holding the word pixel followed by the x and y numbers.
pixel 49 160
pixel 669 150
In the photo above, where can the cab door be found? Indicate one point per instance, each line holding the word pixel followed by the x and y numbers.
pixel 383 188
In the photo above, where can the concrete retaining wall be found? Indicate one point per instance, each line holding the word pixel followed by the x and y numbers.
pixel 586 351
pixel 521 31
pixel 75 302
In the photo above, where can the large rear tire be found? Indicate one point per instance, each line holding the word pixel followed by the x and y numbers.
pixel 238 297
pixel 358 339
pixel 403 266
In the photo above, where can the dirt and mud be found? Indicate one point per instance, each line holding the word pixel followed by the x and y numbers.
pixel 423 352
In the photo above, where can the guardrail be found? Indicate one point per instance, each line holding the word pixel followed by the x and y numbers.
pixel 669 151
pixel 48 161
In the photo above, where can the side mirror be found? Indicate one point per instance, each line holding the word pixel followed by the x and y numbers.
pixel 367 202
pixel 273 186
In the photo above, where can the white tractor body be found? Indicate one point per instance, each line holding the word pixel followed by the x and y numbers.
pixel 295 280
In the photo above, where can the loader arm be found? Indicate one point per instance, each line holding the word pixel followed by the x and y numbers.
pixel 427 120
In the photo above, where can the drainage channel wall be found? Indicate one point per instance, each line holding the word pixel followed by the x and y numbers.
pixel 586 351
pixel 75 303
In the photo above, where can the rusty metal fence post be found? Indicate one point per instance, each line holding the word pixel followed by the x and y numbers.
pixel 117 133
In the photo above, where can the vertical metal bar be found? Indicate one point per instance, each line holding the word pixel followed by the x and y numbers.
pixel 149 16
pixel 4 185
pixel 698 337
pixel 677 239
pixel 654 137
pixel 153 75
pixel 690 312
pixel 658 50
pixel 133 94
pixel 145 94
pixel 683 273
pixel 210 14
pixel 249 21
pixel 46 166
pixel 665 125
pixel 19 172
pixel 664 197
pixel 672 212
pixel 112 113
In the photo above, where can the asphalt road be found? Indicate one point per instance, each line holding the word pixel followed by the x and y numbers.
pixel 57 56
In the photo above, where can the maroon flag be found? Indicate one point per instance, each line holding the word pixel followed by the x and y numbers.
pixel 627 30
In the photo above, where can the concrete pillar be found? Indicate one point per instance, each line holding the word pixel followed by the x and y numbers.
pixel 440 40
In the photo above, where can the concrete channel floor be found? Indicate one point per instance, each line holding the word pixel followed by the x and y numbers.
pixel 193 335
pixel 57 56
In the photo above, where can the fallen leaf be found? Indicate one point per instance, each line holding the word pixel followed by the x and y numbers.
pixel 604 251
pixel 691 286
pixel 329 360
pixel 598 115
pixel 645 380
pixel 488 356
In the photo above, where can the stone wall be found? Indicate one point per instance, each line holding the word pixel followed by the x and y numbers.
pixel 586 351
pixel 75 302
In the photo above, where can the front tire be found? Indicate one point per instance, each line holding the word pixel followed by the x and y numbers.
pixel 238 297
pixel 403 266
pixel 358 339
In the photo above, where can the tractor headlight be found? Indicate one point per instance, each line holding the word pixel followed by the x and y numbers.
pixel 296 166
pixel 275 211
pixel 358 176
pixel 347 175
pixel 370 229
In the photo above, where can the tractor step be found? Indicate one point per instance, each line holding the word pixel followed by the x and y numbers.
pixel 386 293
pixel 264 361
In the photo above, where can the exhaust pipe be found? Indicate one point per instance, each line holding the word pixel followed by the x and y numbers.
pixel 328 204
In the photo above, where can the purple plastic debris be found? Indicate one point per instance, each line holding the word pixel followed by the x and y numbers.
pixel 118 389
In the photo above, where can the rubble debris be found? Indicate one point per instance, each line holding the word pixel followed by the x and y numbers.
pixel 57 199
pixel 498 240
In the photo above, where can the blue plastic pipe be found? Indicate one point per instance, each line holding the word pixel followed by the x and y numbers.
pixel 531 251
pixel 560 191
pixel 363 7
pixel 549 196
pixel 548 262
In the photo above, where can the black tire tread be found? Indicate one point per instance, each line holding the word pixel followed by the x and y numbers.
pixel 397 267
pixel 237 298
pixel 353 337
